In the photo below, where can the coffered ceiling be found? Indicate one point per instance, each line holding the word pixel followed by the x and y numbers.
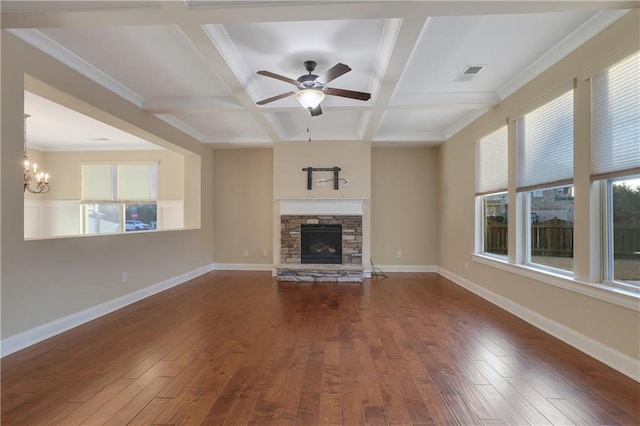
pixel 193 64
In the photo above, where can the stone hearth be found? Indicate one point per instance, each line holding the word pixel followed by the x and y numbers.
pixel 324 273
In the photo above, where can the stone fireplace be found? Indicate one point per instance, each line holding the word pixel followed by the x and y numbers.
pixel 291 241
pixel 332 242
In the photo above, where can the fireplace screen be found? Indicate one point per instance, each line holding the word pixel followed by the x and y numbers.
pixel 321 243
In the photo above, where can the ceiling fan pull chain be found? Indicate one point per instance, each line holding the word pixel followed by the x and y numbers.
pixel 308 126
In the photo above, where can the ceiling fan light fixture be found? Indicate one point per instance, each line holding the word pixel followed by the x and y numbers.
pixel 310 98
pixel 313 88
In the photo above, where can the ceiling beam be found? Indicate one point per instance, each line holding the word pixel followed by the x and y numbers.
pixel 445 100
pixel 190 104
pixel 407 37
pixel 216 61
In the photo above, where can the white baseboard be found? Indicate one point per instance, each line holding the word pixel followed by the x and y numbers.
pixel 30 337
pixel 243 266
pixel 615 359
pixel 407 268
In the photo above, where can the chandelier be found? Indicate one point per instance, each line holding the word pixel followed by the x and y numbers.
pixel 34 181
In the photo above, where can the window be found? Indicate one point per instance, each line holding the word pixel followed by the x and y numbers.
pixel 491 185
pixel 623 254
pixel 101 218
pixel 615 160
pixel 551 228
pixel 545 174
pixel 494 221
pixel 119 197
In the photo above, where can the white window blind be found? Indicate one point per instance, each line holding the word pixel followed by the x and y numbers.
pixel 492 163
pixel 119 183
pixel 97 183
pixel 135 182
pixel 615 121
pixel 545 145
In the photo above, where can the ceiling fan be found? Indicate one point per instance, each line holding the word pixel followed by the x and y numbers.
pixel 312 88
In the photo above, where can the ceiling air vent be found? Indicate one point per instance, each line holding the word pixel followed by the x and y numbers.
pixel 470 72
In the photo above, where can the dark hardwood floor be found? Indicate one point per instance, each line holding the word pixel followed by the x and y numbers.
pixel 239 348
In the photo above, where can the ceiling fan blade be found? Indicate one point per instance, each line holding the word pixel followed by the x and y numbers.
pixel 278 77
pixel 275 98
pixel 316 111
pixel 334 72
pixel 362 96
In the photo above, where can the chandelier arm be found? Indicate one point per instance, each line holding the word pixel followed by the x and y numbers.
pixel 40 188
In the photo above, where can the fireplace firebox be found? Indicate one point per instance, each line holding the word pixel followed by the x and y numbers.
pixel 321 243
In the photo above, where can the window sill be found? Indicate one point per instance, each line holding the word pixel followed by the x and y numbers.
pixel 110 234
pixel 609 293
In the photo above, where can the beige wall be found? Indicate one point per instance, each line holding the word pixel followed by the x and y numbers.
pixel 289 181
pixel 66 168
pixel 404 206
pixel 404 195
pixel 242 212
pixel 402 183
pixel 610 324
pixel 353 158
pixel 46 280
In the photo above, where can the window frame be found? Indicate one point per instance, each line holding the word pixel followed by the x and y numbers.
pixel 527 186
pixel 527 235
pixel 607 235
pixel 481 215
pixel 85 205
pixel 115 186
pixel 486 155
pixel 606 102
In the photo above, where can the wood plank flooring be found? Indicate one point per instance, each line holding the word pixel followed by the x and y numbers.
pixel 239 348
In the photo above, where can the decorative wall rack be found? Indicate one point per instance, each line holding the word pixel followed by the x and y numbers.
pixel 335 170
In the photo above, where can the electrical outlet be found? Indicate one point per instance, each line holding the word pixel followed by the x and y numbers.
pixel 345 182
pixel 265 253
pixel 125 276
pixel 321 182
pixel 246 252
pixel 399 254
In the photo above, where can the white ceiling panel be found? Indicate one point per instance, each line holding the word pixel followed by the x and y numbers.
pixel 194 64
pixel 282 48
pixel 152 61
pixel 428 124
pixel 53 127
pixel 504 44
pixel 331 125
